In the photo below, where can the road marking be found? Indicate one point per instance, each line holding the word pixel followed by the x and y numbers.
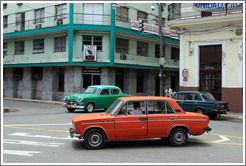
pixel 35 129
pixel 38 136
pixel 24 125
pixel 34 143
pixel 211 142
pixel 223 139
pixel 225 135
pixel 20 152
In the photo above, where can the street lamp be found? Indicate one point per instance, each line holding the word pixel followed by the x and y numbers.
pixel 162 59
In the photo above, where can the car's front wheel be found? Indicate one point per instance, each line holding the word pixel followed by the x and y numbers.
pixel 94 139
pixel 200 111
pixel 70 109
pixel 89 107
pixel 178 137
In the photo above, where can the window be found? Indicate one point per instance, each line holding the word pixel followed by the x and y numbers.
pixel 92 40
pixel 142 15
pixel 140 81
pixel 5 49
pixel 180 96
pixel 39 15
pixel 60 44
pixel 190 96
pixel 175 53
pixel 5 5
pixel 38 46
pixel 19 47
pixel 122 14
pixel 115 91
pixel 133 108
pixel 157 51
pixel 61 11
pixel 122 46
pixel 5 21
pixel 142 48
pixel 105 92
pixel 20 18
pixel 159 107
pixel 18 74
pixel 37 73
pixel 61 80
pixel 174 11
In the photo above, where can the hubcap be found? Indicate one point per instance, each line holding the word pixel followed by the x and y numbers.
pixel 90 107
pixel 179 137
pixel 95 139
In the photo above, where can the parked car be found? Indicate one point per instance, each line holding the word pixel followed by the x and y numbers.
pixel 159 117
pixel 94 97
pixel 201 102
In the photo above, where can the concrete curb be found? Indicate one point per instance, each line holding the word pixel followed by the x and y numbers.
pixel 35 101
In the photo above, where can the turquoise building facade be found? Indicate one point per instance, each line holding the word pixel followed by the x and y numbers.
pixel 44 49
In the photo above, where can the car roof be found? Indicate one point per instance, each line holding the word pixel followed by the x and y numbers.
pixel 132 98
pixel 104 86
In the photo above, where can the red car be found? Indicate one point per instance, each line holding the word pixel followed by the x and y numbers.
pixel 138 118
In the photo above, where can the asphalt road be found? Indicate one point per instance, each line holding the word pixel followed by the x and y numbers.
pixel 38 133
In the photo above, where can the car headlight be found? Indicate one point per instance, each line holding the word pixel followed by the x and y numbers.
pixel 65 98
pixel 81 99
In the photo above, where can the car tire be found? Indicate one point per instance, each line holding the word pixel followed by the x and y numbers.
pixel 200 111
pixel 70 109
pixel 89 107
pixel 94 139
pixel 178 137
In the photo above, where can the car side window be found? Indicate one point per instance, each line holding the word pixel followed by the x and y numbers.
pixel 180 96
pixel 159 107
pixel 133 108
pixel 115 91
pixel 105 92
pixel 190 96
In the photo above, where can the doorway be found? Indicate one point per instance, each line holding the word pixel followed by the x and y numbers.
pixel 210 69
pixel 91 79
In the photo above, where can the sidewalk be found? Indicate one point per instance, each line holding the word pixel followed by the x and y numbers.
pixel 229 115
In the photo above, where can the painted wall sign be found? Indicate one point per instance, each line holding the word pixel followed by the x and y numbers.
pixel 185 74
pixel 90 53
pixel 213 6
pixel 91 70
pixel 154 29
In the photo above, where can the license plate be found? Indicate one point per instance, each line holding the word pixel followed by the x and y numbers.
pixel 69 106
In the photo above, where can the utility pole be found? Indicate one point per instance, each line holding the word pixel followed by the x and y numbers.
pixel 162 59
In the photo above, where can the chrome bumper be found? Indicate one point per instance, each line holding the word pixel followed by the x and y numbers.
pixel 73 106
pixel 73 133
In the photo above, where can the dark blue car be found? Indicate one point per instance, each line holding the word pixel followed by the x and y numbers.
pixel 201 102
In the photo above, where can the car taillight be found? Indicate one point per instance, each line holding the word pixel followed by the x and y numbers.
pixel 218 106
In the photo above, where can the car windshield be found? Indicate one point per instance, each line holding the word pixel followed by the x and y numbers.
pixel 114 107
pixel 92 90
pixel 207 96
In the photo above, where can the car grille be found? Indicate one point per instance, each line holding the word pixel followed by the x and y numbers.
pixel 72 102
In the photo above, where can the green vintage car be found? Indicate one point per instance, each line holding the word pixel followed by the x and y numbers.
pixel 94 97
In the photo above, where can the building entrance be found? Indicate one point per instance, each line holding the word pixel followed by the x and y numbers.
pixel 210 69
pixel 91 79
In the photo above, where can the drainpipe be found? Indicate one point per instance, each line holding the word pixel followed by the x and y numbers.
pixel 70 33
pixel 112 36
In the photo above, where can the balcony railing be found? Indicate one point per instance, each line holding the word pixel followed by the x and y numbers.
pixel 197 10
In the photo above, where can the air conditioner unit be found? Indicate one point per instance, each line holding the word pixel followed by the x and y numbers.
pixel 123 57
pixel 38 26
pixel 59 22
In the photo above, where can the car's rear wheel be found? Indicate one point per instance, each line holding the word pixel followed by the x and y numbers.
pixel 70 109
pixel 94 139
pixel 200 111
pixel 178 137
pixel 89 107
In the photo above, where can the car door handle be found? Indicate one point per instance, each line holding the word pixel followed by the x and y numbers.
pixel 173 118
pixel 143 119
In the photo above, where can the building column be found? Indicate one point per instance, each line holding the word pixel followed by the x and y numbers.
pixel 108 76
pixel 9 86
pixel 131 81
pixel 150 83
pixel 27 83
pixel 47 92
